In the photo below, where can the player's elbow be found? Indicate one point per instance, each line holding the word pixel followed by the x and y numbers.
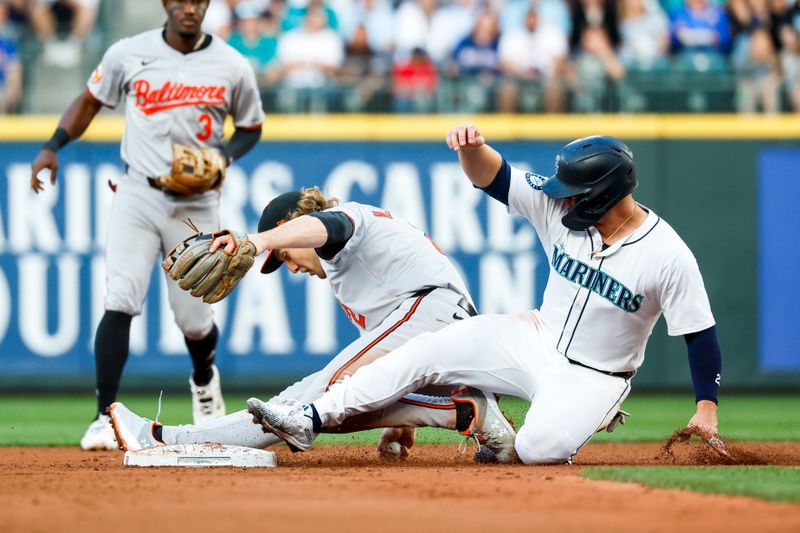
pixel 541 447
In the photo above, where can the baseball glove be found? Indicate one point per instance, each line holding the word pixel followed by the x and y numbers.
pixel 210 276
pixel 194 170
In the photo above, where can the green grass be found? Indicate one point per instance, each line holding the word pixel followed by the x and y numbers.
pixel 773 483
pixel 48 420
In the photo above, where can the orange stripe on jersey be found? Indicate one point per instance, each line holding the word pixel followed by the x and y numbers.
pixel 428 405
pixel 382 336
pixel 384 214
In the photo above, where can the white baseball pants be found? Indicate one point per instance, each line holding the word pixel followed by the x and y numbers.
pixel 504 354
pixel 145 223
pixel 416 315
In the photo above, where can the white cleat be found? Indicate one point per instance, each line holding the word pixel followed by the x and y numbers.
pixel 489 426
pixel 133 432
pixel 292 422
pixel 207 401
pixel 100 435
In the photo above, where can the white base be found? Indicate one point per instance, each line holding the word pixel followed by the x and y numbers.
pixel 201 455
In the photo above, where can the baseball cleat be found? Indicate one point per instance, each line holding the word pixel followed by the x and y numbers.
pixel 488 426
pixel 292 422
pixel 207 402
pixel 99 435
pixel 133 432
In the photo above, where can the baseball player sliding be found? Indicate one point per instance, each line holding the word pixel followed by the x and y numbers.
pixel 178 85
pixel 615 266
pixel 394 285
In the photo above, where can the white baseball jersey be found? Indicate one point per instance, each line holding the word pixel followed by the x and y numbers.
pixel 380 266
pixel 599 305
pixel 171 97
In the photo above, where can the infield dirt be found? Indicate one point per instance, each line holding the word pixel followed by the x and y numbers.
pixel 346 488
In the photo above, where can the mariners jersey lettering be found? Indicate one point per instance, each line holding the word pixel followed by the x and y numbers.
pixel 600 306
pixel 386 261
pixel 172 97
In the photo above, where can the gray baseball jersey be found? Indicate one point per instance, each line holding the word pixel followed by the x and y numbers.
pixel 171 97
pixel 380 266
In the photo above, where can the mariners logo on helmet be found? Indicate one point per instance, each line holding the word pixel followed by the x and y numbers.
pixel 599 170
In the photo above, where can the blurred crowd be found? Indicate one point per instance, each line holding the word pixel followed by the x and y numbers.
pixel 474 55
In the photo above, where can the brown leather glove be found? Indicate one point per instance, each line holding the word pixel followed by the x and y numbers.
pixel 195 170
pixel 209 276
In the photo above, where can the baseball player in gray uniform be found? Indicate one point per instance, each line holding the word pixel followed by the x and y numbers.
pixel 178 85
pixel 394 284
pixel 615 267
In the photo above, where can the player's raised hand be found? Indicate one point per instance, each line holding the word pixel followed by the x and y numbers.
pixel 464 136
pixel 46 163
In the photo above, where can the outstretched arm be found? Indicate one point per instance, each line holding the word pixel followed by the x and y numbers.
pixel 705 362
pixel 480 161
pixel 72 125
pixel 302 232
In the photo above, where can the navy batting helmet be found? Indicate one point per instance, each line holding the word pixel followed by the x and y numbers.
pixel 599 170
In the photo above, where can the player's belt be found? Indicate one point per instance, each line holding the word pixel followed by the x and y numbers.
pixel 463 303
pixel 152 182
pixel 624 375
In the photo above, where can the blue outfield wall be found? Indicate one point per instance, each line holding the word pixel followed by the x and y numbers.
pixel 778 260
pixel 733 211
pixel 273 327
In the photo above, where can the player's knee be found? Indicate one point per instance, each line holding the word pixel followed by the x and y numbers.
pixel 123 305
pixel 194 328
pixel 543 447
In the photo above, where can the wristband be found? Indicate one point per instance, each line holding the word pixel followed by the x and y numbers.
pixel 57 141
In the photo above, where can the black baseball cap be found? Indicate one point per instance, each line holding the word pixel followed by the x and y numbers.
pixel 275 214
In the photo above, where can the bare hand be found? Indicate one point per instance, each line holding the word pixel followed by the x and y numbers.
pixel 464 136
pixel 45 160
pixel 226 242
pixel 705 419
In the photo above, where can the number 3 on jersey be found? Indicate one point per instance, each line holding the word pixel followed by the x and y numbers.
pixel 205 123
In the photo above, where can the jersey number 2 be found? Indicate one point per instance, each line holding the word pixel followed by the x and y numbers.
pixel 205 122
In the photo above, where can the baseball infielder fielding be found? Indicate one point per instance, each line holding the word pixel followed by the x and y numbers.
pixel 393 283
pixel 615 266
pixel 178 85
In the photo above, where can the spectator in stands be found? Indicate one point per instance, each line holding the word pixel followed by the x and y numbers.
pixel 309 59
pixel 296 11
pixel 63 25
pixel 532 59
pixel 644 29
pixel 364 73
pixel 475 63
pixel 594 14
pixel 551 13
pixel 377 18
pixel 451 24
pixel 790 64
pixel 595 67
pixel 412 27
pixel 219 18
pixel 421 24
pixel 10 68
pixel 256 38
pixel 758 76
pixel 700 32
pixel 414 83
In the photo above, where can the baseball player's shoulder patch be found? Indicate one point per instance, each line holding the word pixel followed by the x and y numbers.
pixel 535 180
